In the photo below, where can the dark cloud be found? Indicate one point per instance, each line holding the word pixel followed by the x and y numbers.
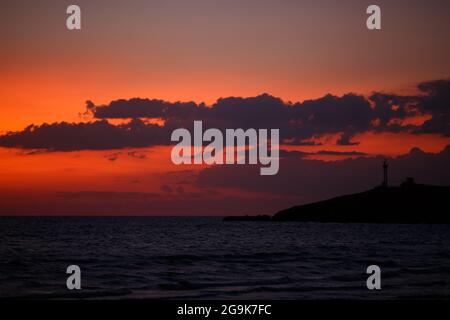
pixel 166 188
pixel 179 189
pixel 302 154
pixel 132 154
pixel 142 108
pixel 98 135
pixel 346 116
pixel 340 153
pixel 294 154
pixel 113 157
pixel 108 195
pixel 345 140
pixel 436 98
pixel 137 155
pixel 389 106
pixel 436 101
pixel 350 114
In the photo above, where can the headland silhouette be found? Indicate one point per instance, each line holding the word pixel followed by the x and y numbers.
pixel 408 203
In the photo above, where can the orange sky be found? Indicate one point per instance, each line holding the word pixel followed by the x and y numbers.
pixel 200 52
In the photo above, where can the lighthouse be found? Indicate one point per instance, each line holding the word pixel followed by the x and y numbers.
pixel 385 173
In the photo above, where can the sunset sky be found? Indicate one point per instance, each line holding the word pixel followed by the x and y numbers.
pixel 342 96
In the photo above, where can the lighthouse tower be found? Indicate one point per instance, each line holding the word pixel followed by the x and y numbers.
pixel 385 173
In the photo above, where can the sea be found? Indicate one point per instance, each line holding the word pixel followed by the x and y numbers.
pixel 206 258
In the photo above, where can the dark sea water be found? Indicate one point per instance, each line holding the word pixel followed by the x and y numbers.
pixel 205 258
